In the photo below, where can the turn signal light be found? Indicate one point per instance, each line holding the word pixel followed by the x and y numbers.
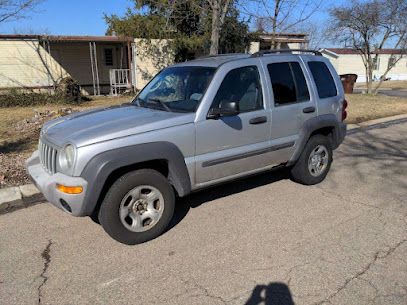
pixel 72 190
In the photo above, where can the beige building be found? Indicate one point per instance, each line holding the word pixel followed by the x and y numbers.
pixel 100 64
pixel 39 62
pixel 283 41
pixel 350 61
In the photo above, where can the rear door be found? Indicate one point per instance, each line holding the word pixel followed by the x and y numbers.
pixel 293 101
pixel 328 86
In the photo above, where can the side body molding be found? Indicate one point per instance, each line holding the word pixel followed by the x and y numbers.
pixel 315 123
pixel 102 165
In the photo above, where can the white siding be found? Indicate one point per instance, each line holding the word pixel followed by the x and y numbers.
pixel 27 64
pixel 353 63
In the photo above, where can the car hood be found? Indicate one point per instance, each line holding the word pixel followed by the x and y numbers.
pixel 103 124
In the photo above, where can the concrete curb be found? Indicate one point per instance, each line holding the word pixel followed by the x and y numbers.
pixel 17 197
pixel 371 123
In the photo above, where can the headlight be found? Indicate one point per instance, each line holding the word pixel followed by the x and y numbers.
pixel 67 158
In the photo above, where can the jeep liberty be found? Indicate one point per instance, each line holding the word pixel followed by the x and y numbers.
pixel 194 125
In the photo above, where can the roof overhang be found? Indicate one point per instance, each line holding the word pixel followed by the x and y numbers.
pixel 62 38
pixel 282 37
pixel 329 53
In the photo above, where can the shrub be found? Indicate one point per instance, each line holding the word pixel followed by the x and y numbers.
pixel 66 92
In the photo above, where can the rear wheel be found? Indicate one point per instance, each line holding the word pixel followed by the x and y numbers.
pixel 138 207
pixel 314 162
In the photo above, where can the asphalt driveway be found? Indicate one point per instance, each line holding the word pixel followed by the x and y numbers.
pixel 262 240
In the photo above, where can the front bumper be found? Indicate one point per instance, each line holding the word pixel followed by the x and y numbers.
pixel 46 183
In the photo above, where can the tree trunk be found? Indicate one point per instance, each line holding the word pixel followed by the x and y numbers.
pixel 369 74
pixel 214 50
pixel 274 25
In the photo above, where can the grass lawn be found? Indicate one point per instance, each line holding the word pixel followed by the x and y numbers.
pixel 369 107
pixel 16 145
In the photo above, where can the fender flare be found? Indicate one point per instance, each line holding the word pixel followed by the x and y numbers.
pixel 315 123
pixel 98 169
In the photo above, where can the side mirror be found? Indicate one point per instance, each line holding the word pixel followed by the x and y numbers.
pixel 227 109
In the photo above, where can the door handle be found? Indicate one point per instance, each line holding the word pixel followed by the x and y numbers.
pixel 309 110
pixel 258 120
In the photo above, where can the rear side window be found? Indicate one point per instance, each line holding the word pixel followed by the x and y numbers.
pixel 288 81
pixel 323 79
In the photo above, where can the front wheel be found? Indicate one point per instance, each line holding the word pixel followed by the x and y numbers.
pixel 314 162
pixel 138 207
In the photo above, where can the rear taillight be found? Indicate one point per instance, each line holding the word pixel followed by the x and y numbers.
pixel 344 113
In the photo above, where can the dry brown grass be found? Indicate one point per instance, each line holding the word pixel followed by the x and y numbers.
pixel 369 107
pixel 391 84
pixel 9 116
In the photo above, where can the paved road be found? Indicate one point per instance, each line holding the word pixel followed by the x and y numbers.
pixel 257 241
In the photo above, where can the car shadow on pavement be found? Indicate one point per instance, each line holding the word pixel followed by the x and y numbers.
pixel 275 293
pixel 369 153
pixel 194 200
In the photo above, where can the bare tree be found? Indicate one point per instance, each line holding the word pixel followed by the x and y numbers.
pixel 15 9
pixel 280 15
pixel 219 9
pixel 369 27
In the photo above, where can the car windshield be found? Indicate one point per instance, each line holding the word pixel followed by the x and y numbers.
pixel 178 89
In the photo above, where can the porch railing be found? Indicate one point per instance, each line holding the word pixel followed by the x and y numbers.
pixel 119 80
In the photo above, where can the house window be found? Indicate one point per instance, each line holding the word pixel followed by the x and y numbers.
pixel 108 57
pixel 376 63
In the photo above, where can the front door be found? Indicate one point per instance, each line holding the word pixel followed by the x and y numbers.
pixel 236 144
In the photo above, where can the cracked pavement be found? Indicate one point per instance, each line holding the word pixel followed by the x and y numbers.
pixel 261 240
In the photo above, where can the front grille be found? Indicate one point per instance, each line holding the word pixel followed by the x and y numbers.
pixel 48 157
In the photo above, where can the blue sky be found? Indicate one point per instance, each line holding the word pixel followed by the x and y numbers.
pixel 74 17
pixel 82 17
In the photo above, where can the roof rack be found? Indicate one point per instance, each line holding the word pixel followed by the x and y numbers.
pixel 278 51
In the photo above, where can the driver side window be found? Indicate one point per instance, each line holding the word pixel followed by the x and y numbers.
pixel 241 85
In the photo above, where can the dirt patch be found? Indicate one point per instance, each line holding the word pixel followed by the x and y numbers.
pixel 19 132
pixel 12 170
pixel 14 151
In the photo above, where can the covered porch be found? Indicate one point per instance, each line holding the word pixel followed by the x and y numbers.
pixel 101 65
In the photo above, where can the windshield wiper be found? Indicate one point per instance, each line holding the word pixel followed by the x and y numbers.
pixel 158 101
pixel 137 101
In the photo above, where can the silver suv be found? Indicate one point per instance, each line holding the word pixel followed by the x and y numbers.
pixel 196 124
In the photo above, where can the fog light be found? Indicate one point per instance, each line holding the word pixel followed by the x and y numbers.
pixel 69 189
pixel 65 205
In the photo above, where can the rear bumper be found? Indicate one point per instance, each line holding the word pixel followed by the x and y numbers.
pixel 341 134
pixel 46 183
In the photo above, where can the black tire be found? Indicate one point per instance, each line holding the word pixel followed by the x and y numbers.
pixel 109 210
pixel 300 172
